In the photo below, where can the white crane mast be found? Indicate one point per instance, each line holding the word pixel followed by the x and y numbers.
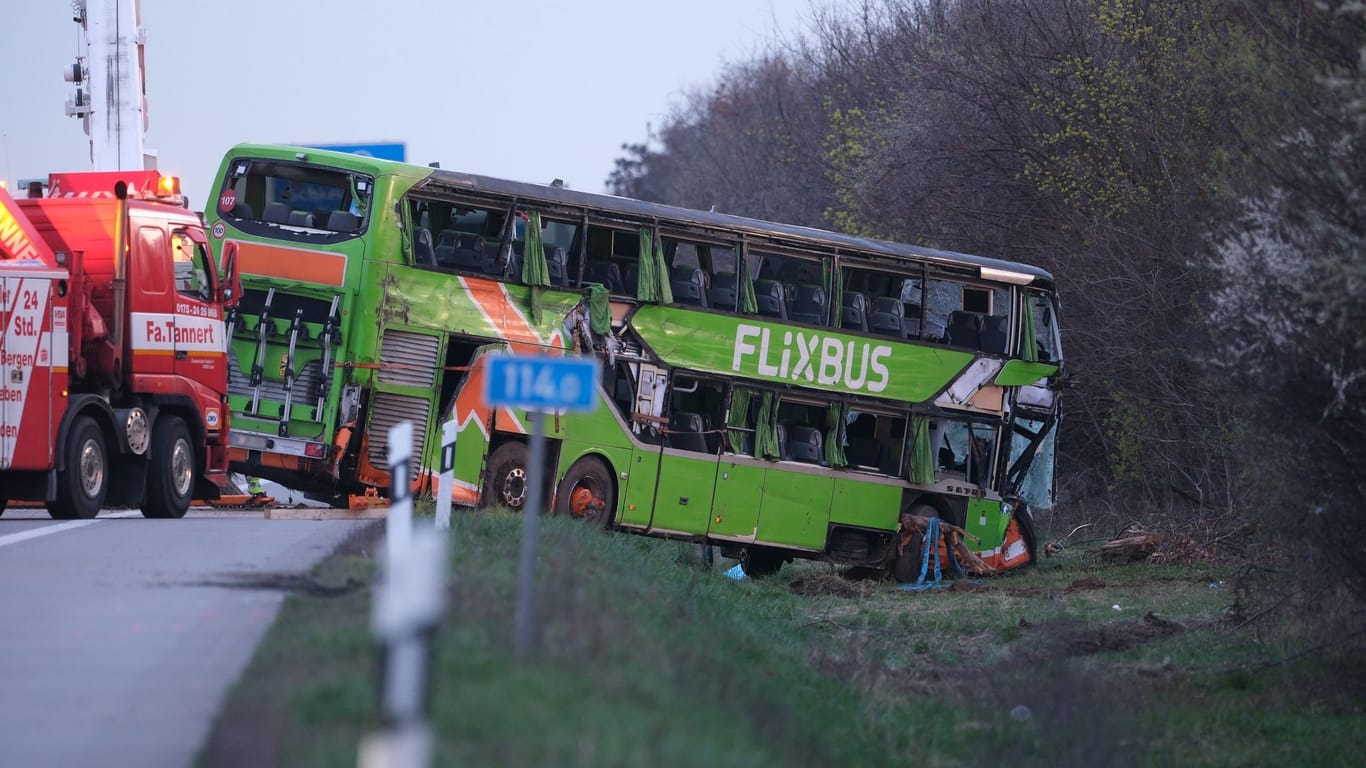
pixel 111 94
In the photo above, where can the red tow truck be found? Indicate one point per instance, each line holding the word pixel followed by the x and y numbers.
pixel 113 364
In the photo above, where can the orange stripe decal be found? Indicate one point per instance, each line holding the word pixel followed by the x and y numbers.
pixel 292 263
pixel 510 323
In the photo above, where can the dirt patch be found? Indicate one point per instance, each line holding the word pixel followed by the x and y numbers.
pixel 1083 585
pixel 1118 635
pixel 969 586
pixel 831 585
pixel 284 582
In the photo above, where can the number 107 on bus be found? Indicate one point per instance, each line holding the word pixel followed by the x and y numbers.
pixel 542 383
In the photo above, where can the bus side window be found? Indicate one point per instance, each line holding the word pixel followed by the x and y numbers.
pixel 622 386
pixel 1046 337
pixel 690 283
pixel 695 413
pixel 942 299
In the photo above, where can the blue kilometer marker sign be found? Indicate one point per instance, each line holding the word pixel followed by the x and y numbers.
pixel 542 382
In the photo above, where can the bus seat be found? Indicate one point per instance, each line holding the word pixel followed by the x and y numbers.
pixel 804 444
pixel 342 221
pixel 555 266
pixel 300 219
pixel 445 248
pixel 689 286
pixel 629 277
pixel 686 431
pixel 724 291
pixel 711 435
pixel 607 273
pixel 808 304
pixel 993 334
pixel 769 294
pixel 910 319
pixel 781 429
pixel 424 254
pixel 854 311
pixel 243 210
pixel 962 330
pixel 466 252
pixel 886 318
pixel 277 213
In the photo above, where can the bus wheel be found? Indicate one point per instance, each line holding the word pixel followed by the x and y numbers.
pixel 759 562
pixel 170 478
pixel 586 492
pixel 81 487
pixel 905 567
pixel 505 481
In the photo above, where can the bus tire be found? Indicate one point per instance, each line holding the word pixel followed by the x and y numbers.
pixel 505 479
pixel 906 566
pixel 170 470
pixel 82 486
pixel 586 493
pixel 761 562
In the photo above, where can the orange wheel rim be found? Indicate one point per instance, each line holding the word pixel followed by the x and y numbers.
pixel 582 502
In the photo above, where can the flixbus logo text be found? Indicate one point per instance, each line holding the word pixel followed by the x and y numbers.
pixel 811 357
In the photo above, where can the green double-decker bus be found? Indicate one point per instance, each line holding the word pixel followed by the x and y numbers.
pixel 779 391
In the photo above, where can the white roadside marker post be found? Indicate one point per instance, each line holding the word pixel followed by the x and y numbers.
pixel 407 606
pixel 445 482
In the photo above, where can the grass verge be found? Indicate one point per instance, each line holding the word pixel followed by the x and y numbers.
pixel 645 655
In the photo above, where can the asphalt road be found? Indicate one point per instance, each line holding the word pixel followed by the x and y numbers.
pixel 118 638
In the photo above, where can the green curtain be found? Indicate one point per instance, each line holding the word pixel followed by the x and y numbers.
pixel 737 419
pixel 837 300
pixel 1029 345
pixel 748 304
pixel 766 430
pixel 535 273
pixel 666 291
pixel 834 436
pixel 647 279
pixel 599 310
pixel 920 469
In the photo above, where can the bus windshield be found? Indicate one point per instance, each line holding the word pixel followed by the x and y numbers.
pixel 296 201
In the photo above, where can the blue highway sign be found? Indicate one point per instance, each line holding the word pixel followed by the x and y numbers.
pixel 390 150
pixel 542 382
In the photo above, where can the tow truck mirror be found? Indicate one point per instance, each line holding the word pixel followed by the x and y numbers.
pixel 231 286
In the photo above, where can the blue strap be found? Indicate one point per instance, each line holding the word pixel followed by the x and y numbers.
pixel 932 537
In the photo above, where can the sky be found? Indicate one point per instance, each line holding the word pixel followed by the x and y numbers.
pixel 530 90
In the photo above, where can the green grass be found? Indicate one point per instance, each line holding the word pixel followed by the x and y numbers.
pixel 644 655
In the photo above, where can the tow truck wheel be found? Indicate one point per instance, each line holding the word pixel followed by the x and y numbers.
pixel 170 472
pixel 586 493
pixel 505 483
pixel 83 483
